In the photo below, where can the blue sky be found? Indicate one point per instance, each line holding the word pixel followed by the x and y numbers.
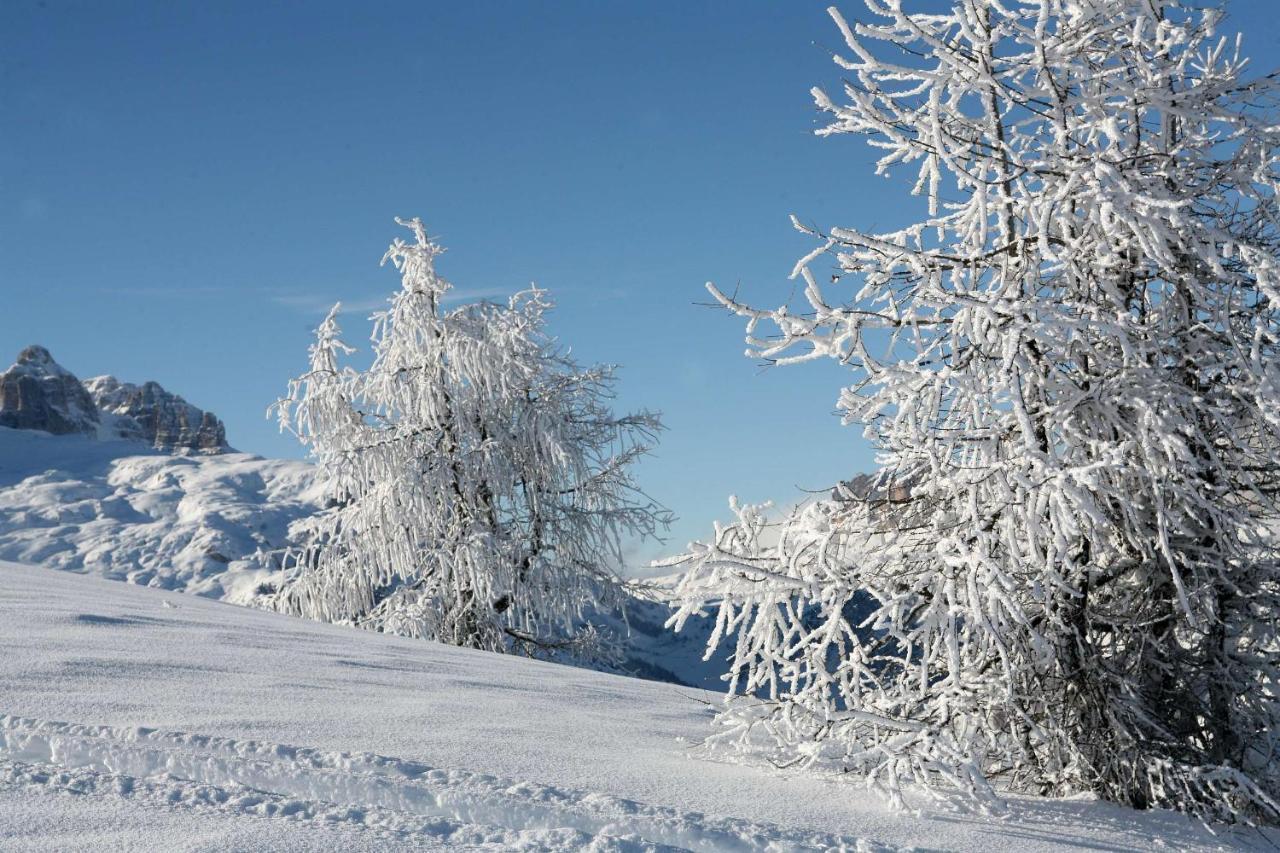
pixel 185 188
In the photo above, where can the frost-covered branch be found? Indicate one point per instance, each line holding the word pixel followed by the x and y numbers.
pixel 480 485
pixel 1068 366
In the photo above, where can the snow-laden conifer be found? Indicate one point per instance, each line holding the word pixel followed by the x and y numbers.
pixel 481 488
pixel 1065 577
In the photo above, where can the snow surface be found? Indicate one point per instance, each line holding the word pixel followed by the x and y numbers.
pixel 120 510
pixel 135 718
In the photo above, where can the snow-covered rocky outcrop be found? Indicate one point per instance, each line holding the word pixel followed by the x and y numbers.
pixel 149 413
pixel 38 393
pixel 134 483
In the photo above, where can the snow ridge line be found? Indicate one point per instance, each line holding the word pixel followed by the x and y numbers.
pixel 363 781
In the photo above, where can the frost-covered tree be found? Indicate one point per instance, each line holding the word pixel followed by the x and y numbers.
pixel 481 488
pixel 1066 577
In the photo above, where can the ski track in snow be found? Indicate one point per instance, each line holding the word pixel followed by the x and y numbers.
pixel 396 799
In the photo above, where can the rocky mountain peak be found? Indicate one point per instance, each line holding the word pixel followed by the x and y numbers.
pixel 38 393
pixel 38 356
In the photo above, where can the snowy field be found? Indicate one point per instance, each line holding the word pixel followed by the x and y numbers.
pixel 136 718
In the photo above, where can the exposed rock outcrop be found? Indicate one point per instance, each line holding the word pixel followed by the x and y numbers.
pixel 38 393
pixel 149 413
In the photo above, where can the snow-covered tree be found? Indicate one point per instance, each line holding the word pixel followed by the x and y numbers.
pixel 481 488
pixel 1066 576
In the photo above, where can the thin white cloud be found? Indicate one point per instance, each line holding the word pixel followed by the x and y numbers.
pixel 176 292
pixel 311 304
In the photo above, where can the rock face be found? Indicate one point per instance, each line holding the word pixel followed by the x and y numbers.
pixel 38 393
pixel 149 413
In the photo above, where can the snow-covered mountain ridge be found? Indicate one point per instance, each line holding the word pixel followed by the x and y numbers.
pixel 37 393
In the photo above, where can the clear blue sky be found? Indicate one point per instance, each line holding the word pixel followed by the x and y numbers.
pixel 185 187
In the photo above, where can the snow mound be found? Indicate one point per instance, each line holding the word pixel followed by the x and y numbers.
pixel 122 511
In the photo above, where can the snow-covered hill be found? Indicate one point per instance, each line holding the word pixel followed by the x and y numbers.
pixel 120 510
pixel 135 718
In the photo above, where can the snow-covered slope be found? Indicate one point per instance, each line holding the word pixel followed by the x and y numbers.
pixel 196 523
pixel 120 510
pixel 134 718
